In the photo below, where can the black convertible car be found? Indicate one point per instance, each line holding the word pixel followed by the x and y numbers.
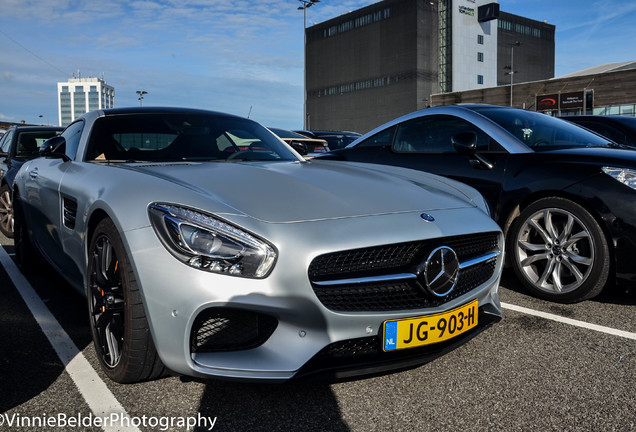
pixel 565 197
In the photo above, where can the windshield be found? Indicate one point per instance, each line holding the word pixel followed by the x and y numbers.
pixel 175 137
pixel 540 131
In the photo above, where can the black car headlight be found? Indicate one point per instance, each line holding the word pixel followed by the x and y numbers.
pixel 626 176
pixel 211 244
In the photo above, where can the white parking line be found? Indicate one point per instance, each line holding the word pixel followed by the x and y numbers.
pixel 577 323
pixel 94 391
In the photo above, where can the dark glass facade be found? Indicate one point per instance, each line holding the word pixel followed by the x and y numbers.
pixel 371 65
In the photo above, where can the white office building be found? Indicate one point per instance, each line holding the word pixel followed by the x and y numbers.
pixel 474 47
pixel 80 95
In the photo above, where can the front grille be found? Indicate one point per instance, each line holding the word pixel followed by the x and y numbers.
pixel 395 259
pixel 226 329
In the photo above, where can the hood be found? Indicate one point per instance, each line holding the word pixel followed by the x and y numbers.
pixel 282 192
pixel 600 155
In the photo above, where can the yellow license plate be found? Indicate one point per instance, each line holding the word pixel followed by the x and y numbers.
pixel 418 331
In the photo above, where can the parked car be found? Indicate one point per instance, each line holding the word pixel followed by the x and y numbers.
pixel 335 140
pixel 619 129
pixel 17 145
pixel 306 146
pixel 565 197
pixel 252 264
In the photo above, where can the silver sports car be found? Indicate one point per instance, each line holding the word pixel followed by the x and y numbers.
pixel 208 247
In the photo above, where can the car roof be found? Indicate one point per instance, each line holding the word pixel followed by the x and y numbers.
pixel 37 128
pixel 162 110
pixel 284 133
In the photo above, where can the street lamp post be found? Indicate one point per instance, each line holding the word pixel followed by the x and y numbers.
pixel 141 94
pixel 305 5
pixel 512 66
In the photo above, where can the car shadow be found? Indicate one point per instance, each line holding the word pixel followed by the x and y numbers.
pixel 306 404
pixel 29 364
pixel 266 406
pixel 619 295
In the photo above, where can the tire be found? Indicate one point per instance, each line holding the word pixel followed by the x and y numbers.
pixel 25 255
pixel 119 327
pixel 559 251
pixel 6 211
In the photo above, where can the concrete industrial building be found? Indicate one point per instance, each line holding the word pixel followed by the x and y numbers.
pixel 387 59
pixel 80 95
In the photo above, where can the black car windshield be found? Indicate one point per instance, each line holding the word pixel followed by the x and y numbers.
pixel 176 137
pixel 540 131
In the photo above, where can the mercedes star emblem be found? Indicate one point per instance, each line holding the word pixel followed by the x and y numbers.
pixel 441 271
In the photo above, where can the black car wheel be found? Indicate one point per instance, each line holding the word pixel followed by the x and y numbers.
pixel 120 329
pixel 6 212
pixel 559 251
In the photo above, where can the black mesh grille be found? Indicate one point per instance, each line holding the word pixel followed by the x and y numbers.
pixel 393 259
pixel 376 259
pixel 224 329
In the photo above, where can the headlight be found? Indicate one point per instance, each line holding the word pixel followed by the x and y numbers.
pixel 624 175
pixel 210 244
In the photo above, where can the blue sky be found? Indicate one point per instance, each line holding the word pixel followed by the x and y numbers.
pixel 241 57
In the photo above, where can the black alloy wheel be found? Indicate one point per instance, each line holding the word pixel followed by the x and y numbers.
pixel 559 251
pixel 119 326
pixel 6 212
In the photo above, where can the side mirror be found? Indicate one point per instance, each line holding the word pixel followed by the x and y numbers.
pixel 54 148
pixel 466 143
pixel 299 147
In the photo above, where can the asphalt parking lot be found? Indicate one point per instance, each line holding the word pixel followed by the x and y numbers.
pixel 545 367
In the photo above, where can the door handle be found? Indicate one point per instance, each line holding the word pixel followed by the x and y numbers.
pixel 33 174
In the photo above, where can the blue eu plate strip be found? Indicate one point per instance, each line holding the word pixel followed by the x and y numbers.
pixel 390 336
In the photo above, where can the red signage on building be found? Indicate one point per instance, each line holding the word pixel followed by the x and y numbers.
pixel 560 101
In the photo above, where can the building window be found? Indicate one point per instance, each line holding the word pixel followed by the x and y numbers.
pixel 93 98
pixel 480 39
pixel 480 79
pixel 361 21
pixel 480 57
pixel 79 101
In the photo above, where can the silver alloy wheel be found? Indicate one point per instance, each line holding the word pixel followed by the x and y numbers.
pixel 555 250
pixel 6 212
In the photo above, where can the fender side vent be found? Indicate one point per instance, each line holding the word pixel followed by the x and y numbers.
pixel 69 212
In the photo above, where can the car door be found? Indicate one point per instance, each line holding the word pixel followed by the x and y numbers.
pixel 425 143
pixel 368 150
pixel 46 205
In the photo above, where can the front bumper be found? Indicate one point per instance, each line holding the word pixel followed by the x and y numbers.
pixel 291 333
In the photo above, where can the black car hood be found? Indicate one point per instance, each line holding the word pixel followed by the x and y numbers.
pixel 598 155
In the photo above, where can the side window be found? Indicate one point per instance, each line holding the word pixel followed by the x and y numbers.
pixel 380 139
pixel 72 135
pixel 433 134
pixel 6 140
